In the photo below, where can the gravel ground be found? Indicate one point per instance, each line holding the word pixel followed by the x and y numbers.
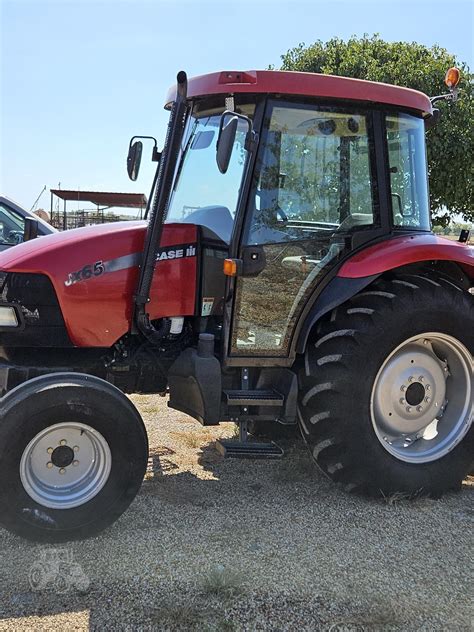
pixel 251 545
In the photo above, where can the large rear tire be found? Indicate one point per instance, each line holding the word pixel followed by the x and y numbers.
pixel 73 454
pixel 386 393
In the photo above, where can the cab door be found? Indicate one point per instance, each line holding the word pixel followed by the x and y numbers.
pixel 313 186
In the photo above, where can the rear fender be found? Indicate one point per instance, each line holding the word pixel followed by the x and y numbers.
pixel 425 251
pixel 406 250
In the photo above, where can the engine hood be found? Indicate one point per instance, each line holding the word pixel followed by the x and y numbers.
pixel 94 273
pixel 51 251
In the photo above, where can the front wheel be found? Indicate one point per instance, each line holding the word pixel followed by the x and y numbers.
pixel 386 401
pixel 73 453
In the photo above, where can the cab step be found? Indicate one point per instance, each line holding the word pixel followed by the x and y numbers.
pixel 249 450
pixel 254 398
pixel 242 448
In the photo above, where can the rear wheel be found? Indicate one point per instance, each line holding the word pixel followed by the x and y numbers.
pixel 73 453
pixel 386 394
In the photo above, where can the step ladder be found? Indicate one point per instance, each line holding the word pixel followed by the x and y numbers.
pixel 242 448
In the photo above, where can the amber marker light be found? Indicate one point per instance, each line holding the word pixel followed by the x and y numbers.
pixel 452 77
pixel 230 267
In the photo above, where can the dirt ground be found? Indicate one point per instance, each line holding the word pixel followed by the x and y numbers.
pixel 249 545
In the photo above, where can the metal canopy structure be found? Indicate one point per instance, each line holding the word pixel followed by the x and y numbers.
pixel 102 199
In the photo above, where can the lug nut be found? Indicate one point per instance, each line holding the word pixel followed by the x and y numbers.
pixel 49 465
pixel 408 409
pixel 410 379
pixel 402 400
pixel 62 471
pixel 49 450
pixel 76 448
pixel 63 442
pixel 428 387
pixel 419 409
pixel 75 463
pixel 421 378
pixel 403 388
pixel 427 399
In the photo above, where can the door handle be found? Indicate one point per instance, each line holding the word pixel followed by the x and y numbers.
pixel 253 261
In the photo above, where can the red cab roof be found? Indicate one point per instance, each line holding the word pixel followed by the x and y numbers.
pixel 306 84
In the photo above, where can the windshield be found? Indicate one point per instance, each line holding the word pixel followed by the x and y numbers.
pixel 202 195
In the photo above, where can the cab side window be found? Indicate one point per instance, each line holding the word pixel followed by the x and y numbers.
pixel 314 175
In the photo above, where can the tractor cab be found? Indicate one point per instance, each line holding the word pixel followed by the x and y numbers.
pixel 293 173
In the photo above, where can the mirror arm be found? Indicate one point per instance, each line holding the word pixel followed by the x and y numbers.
pixel 251 138
pixel 156 155
pixel 450 96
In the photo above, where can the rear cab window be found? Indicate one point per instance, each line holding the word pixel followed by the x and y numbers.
pixel 407 167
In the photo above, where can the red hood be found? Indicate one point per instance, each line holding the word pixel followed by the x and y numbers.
pixel 94 272
pixel 117 237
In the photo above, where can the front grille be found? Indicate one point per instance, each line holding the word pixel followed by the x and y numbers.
pixel 38 304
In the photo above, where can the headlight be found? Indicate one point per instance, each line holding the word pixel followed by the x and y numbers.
pixel 8 317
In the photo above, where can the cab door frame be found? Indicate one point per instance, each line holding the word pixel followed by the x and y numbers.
pixel 359 239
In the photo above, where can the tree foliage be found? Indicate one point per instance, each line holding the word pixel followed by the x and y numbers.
pixel 450 143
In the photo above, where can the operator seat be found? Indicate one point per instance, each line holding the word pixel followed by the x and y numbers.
pixel 216 218
pixel 355 219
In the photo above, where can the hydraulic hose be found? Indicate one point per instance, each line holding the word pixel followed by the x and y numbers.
pixel 159 209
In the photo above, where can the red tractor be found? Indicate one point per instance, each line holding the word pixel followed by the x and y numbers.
pixel 287 275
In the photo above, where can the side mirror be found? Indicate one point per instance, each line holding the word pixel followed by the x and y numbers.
pixel 31 229
pixel 226 139
pixel 133 159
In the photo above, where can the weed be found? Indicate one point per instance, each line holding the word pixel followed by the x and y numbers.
pixel 193 439
pixel 397 498
pixel 223 581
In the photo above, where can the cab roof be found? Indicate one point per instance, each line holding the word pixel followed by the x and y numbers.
pixel 304 84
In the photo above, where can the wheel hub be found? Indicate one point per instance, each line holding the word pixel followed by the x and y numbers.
pixel 415 394
pixel 411 390
pixel 62 456
pixel 422 397
pixel 65 465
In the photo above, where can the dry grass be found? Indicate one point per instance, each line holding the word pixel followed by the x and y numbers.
pixel 397 498
pixel 190 612
pixel 194 438
pixel 223 581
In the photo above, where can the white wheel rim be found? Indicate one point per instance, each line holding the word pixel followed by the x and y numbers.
pixel 65 465
pixel 422 399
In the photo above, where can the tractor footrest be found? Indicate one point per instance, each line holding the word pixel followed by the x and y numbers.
pixel 254 398
pixel 249 450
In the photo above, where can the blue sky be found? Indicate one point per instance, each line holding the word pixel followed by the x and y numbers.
pixel 79 78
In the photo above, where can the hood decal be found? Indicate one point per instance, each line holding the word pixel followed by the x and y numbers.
pixel 98 268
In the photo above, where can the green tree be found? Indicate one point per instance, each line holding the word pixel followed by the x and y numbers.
pixel 450 143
